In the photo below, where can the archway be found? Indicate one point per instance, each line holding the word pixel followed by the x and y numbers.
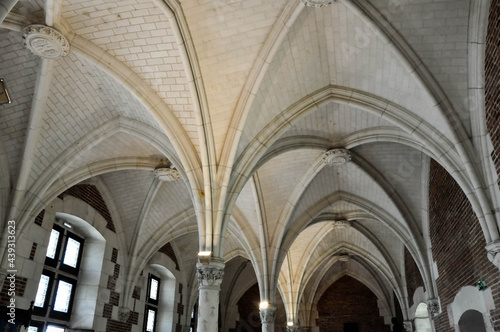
pixel 471 321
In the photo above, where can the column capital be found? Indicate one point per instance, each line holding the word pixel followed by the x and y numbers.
pixel 433 307
pixel 267 315
pixel 294 328
pixel 210 276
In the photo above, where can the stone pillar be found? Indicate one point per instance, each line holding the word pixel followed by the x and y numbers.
pixel 209 280
pixel 267 319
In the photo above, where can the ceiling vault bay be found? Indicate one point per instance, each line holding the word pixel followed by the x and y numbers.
pixel 244 107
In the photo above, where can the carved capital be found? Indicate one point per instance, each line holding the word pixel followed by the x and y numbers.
pixel 433 307
pixel 45 42
pixel 408 326
pixel 317 3
pixel 336 157
pixel 167 174
pixel 210 276
pixel 123 314
pixel 267 315
pixel 292 328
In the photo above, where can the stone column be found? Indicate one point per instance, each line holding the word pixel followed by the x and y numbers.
pixel 267 319
pixel 209 280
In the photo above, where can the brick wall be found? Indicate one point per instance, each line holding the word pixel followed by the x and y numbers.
pixel 349 301
pixel 90 195
pixel 492 80
pixel 169 251
pixel 457 245
pixel 248 309
pixel 413 276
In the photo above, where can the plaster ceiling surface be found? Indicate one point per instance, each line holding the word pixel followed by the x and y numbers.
pixel 128 189
pixel 350 179
pixel 310 59
pixel 228 36
pixel 117 146
pixel 19 70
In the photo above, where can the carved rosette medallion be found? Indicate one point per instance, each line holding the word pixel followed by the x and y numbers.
pixel 167 174
pixel 408 326
pixel 317 3
pixel 336 157
pixel 209 275
pixel 45 42
pixel 267 315
pixel 342 224
pixel 433 307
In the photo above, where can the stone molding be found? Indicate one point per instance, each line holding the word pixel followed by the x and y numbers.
pixel 336 157
pixel 317 3
pixel 210 276
pixel 267 315
pixel 45 42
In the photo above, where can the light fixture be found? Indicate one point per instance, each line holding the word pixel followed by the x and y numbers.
pixel 4 95
pixel 289 324
pixel 67 225
pixel 264 305
pixel 204 257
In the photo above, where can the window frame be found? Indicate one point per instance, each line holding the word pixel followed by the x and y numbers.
pixel 66 268
pixel 42 311
pixel 59 314
pixel 52 262
pixel 146 315
pixel 149 300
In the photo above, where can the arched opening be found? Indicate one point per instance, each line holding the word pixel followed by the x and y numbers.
pixel 471 321
pixel 349 305
pixel 422 321
pixel 69 283
pixel 166 299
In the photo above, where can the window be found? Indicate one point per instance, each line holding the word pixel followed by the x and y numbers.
pixel 151 310
pixel 56 289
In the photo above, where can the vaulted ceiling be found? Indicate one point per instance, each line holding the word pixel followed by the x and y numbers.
pixel 244 98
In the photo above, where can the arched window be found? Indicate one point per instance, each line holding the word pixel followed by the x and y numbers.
pixel 67 290
pixel 422 321
pixel 472 321
pixel 165 300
